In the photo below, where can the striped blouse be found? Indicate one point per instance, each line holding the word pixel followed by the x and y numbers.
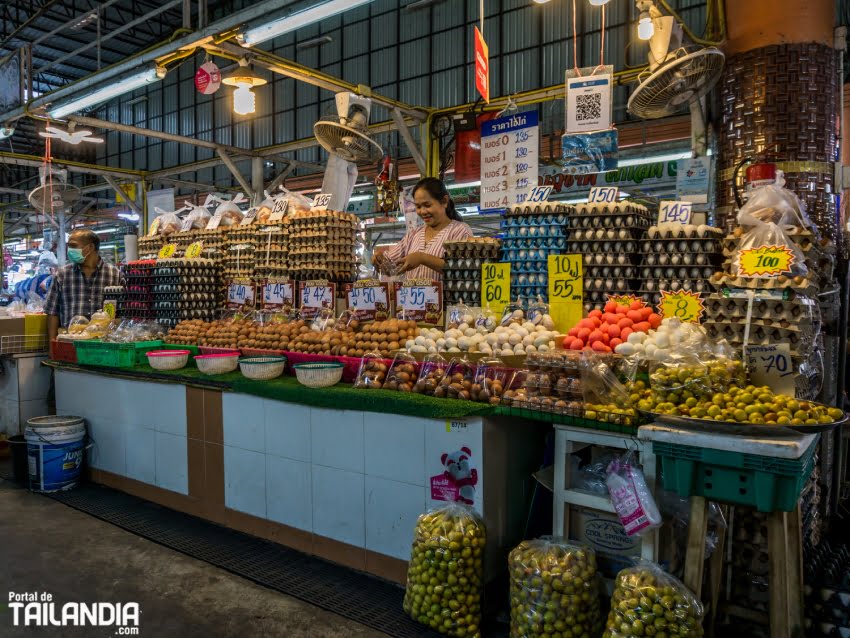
pixel 414 242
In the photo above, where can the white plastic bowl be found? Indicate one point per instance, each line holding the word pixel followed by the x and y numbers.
pixel 217 363
pixel 168 359
pixel 262 368
pixel 318 375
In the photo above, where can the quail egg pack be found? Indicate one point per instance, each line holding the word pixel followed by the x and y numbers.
pixel 530 235
pixel 677 257
pixel 271 257
pixel 136 300
pixel 610 237
pixel 462 274
pixel 322 245
pixel 185 289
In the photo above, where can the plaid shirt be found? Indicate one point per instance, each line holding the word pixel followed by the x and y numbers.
pixel 73 294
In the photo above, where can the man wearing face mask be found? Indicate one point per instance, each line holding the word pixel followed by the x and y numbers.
pixel 78 286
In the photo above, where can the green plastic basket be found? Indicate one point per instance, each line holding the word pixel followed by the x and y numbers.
pixel 114 355
pixel 766 483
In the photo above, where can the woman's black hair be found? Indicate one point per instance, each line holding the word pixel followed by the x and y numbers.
pixel 437 189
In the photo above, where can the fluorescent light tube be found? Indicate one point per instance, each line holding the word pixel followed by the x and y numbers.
pixel 649 159
pixel 111 90
pixel 296 20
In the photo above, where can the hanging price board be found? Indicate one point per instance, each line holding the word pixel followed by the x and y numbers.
pixel 419 300
pixel 250 216
pixel 167 251
pixel 772 366
pixel 684 305
pixel 154 227
pixel 214 221
pixel 765 261
pixel 240 293
pixel 315 295
pixel 626 300
pixel 278 293
pixel 566 290
pixel 538 195
pixel 321 201
pixel 678 212
pixel 603 195
pixel 495 287
pixel 279 210
pixel 510 150
pixel 194 250
pixel 369 299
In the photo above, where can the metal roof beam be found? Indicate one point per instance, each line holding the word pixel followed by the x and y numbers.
pixel 18 159
pixel 119 191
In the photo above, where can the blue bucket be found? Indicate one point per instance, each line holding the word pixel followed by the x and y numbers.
pixel 55 452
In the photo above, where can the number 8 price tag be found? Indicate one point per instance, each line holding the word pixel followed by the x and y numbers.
pixel 684 305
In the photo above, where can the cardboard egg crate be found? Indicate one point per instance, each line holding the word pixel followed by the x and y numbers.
pixel 185 289
pixel 800 342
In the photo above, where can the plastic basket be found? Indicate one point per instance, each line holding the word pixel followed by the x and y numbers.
pixel 219 363
pixel 168 359
pixel 766 483
pixel 262 368
pixel 114 355
pixel 318 375
pixel 63 351
pixel 194 351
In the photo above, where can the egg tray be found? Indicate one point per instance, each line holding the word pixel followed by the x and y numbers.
pixel 762 334
pixel 529 243
pixel 671 285
pixel 616 208
pixel 620 286
pixel 798 309
pixel 529 267
pixel 710 260
pixel 523 279
pixel 631 223
pixel 603 259
pixel 595 246
pixel 530 292
pixel 814 276
pixel 684 232
pixel 196 280
pixel 453 263
pixel 531 232
pixel 528 221
pixel 461 286
pixel 312 274
pixel 693 246
pixel 450 274
pixel 801 325
pixel 678 272
pixel 610 234
pixel 625 272
pixel 728 281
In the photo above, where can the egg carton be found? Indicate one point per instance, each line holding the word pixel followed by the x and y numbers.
pixel 466 263
pixel 799 285
pixel 607 285
pixel 710 260
pixel 615 208
pixel 797 307
pixel 601 234
pixel 529 267
pixel 672 230
pixel 462 286
pixel 801 326
pixel 680 272
pixel 456 273
pixel 539 254
pixel 625 272
pixel 526 243
pixel 608 259
pixel 595 246
pixel 531 232
pixel 530 292
pixel 636 223
pixel 760 335
pixel 672 285
pixel 682 246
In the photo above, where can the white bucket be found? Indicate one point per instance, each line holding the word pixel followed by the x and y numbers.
pixel 55 452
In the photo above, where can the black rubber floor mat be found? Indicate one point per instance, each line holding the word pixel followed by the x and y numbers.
pixel 351 594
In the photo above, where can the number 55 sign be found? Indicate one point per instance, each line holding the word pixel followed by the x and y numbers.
pixel 566 290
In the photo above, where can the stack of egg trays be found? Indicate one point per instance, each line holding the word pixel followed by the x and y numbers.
pixel 678 260
pixel 462 273
pixel 185 289
pixel 149 246
pixel 609 237
pixel 530 235
pixel 136 301
pixel 271 254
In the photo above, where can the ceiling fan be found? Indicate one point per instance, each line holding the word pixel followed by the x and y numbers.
pixel 70 136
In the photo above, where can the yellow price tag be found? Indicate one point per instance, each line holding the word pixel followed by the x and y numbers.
pixel 109 308
pixel 154 227
pixel 765 261
pixel 194 250
pixel 495 287
pixel 625 301
pixel 566 290
pixel 684 305
pixel 167 251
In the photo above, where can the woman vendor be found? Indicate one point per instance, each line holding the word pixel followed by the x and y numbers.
pixel 419 255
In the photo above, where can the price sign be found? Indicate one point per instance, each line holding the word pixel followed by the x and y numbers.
pixel 194 250
pixel 240 293
pixel 186 225
pixel 495 287
pixel 772 366
pixel 678 212
pixel 278 293
pixel 316 295
pixel 538 195
pixel 765 261
pixel 369 299
pixel 154 227
pixel 167 251
pixel 250 216
pixel 684 305
pixel 419 300
pixel 509 159
pixel 321 201
pixel 279 210
pixel 214 221
pixel 566 290
pixel 603 195
pixel 109 308
pixel 626 300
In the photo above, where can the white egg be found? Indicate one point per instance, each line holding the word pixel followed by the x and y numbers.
pixel 548 322
pixel 661 340
pixel 492 339
pixel 506 352
pixel 432 350
pixel 419 349
pixel 441 343
pixel 625 349
pixel 518 315
pixel 514 339
pixel 430 343
pixel 464 342
pixel 453 350
pixel 636 337
pixel 541 341
pixel 420 340
pixel 477 338
pixel 522 332
pixel 528 326
pixel 463 327
pixel 540 328
pixel 528 340
pixel 503 338
pixel 650 350
pixel 467 318
pixel 500 329
pixel 519 349
pixel 451 342
pixel 543 348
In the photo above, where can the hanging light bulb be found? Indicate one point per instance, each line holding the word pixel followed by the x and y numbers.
pixel 646 29
pixel 541 1
pixel 244 79
pixel 598 3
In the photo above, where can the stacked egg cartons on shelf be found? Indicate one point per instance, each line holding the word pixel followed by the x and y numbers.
pixel 462 274
pixel 678 257
pixel 149 246
pixel 530 235
pixel 136 300
pixel 215 248
pixel 239 253
pixel 271 260
pixel 322 245
pixel 185 289
pixel 610 237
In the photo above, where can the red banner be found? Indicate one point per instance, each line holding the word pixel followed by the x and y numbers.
pixel 482 66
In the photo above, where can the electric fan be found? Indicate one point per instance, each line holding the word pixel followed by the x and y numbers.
pixel 346 134
pixel 55 193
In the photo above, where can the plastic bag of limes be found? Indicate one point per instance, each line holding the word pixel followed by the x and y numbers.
pixel 445 576
pixel 554 590
pixel 650 602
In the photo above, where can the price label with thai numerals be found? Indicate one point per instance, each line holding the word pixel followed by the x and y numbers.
pixel 281 205
pixel 419 300
pixel 495 287
pixel 167 251
pixel 214 221
pixel 677 212
pixel 240 293
pixel 538 195
pixel 194 250
pixel 765 261
pixel 250 216
pixel 772 366
pixel 278 293
pixel 321 201
pixel 566 290
pixel 603 195
pixel 369 299
pixel 683 305
pixel 316 295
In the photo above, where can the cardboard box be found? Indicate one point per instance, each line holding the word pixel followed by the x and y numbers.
pixel 604 533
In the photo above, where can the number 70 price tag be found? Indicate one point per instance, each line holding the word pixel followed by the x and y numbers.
pixel 772 366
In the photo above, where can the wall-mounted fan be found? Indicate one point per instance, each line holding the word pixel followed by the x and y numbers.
pixel 346 135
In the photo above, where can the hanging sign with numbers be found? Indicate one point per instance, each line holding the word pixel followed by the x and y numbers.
pixel 279 209
pixel 240 294
pixel 603 195
pixel 250 216
pixel 765 261
pixel 278 293
pixel 509 159
pixel 419 300
pixel 316 295
pixel 677 212
pixel 589 105
pixel 683 305
pixel 321 201
pixel 368 299
pixel 538 195
pixel 772 366
pixel 566 290
pixel 167 251
pixel 495 287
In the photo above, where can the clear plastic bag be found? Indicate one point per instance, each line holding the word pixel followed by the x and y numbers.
pixel 605 398
pixel 432 372
pixel 554 590
pixel 169 222
pixel 372 372
pixel 457 384
pixel 403 374
pixel 459 317
pixel 229 211
pixel 199 216
pixel 538 314
pixel 632 499
pixel 77 324
pixel 485 320
pixel 491 377
pixel 323 321
pixel 298 203
pixel 645 596
pixel 445 575
pixel 513 313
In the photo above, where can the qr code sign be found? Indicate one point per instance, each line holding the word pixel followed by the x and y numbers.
pixel 588 107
